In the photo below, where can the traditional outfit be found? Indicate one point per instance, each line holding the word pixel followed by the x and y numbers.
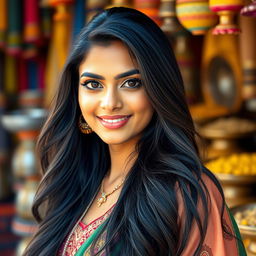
pixel 84 235
pixel 216 242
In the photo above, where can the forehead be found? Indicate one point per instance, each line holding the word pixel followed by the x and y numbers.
pixel 106 58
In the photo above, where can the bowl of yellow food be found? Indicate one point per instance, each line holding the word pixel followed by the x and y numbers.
pixel 245 216
pixel 237 175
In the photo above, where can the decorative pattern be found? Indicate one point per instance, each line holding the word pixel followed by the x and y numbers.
pixel 206 251
pixel 195 16
pixel 226 10
pixel 83 232
pixel 99 244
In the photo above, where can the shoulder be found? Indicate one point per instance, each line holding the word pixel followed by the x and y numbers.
pixel 219 236
pixel 212 190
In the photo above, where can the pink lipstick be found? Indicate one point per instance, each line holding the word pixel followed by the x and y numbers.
pixel 114 122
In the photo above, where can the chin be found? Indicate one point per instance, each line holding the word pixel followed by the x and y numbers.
pixel 114 141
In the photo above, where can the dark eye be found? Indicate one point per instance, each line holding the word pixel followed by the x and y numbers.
pixel 132 83
pixel 92 85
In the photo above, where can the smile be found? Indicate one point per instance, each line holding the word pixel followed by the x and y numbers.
pixel 114 122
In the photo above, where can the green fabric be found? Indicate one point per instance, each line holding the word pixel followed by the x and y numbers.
pixel 240 246
pixel 89 241
pixel 116 252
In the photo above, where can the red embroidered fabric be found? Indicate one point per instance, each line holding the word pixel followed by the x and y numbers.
pixel 82 233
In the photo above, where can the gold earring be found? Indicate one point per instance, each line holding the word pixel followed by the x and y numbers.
pixel 83 126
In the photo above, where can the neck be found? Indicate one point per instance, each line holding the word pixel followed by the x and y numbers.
pixel 122 158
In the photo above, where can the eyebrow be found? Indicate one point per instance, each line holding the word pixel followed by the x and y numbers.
pixel 122 75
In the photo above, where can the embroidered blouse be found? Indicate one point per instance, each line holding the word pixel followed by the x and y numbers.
pixel 82 233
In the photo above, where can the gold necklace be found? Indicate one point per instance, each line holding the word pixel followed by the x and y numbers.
pixel 104 196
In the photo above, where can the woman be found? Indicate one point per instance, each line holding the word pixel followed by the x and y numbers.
pixel 122 175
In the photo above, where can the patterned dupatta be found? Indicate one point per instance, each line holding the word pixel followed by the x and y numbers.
pixel 216 242
pixel 83 236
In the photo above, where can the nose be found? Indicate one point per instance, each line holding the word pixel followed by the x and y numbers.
pixel 111 100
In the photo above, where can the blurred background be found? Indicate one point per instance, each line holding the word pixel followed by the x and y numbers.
pixel 215 46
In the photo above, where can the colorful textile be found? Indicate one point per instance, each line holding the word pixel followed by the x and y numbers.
pixel 25 28
pixel 79 17
pixel 23 75
pixel 14 36
pixel 216 242
pixel 10 76
pixel 31 21
pixel 59 46
pixel 83 232
pixel 3 22
pixel 8 240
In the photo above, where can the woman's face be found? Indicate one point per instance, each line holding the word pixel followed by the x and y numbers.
pixel 111 97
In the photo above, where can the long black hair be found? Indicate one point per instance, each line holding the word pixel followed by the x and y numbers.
pixel 74 164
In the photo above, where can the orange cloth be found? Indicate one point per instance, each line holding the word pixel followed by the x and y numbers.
pixel 58 49
pixel 216 242
pixel 3 21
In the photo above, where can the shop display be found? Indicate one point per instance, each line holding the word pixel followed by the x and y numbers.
pixel 250 9
pixel 228 127
pixel 248 61
pixel 219 81
pixel 22 245
pixel 61 37
pixel 5 177
pixel 245 215
pixel 226 9
pixel 235 164
pixel 195 16
pixel 224 134
pixel 14 28
pixel 170 25
pixel 221 72
pixel 186 61
pixel 3 23
pixel 150 8
pixel 31 27
pixel 26 196
pixel 26 124
pixel 237 174
pixel 94 6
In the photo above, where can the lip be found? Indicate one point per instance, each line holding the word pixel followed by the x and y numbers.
pixel 114 117
pixel 114 125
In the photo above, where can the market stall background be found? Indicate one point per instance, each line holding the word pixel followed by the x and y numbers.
pixel 214 43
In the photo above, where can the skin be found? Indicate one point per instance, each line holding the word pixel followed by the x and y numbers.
pixel 111 96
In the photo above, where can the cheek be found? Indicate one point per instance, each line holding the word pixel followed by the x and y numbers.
pixel 141 103
pixel 86 103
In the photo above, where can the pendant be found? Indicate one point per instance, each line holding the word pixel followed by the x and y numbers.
pixel 102 199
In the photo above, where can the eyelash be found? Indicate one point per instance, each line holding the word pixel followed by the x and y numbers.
pixel 85 84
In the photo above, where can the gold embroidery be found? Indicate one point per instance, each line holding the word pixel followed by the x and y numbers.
pixel 98 246
pixel 81 234
pixel 206 251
